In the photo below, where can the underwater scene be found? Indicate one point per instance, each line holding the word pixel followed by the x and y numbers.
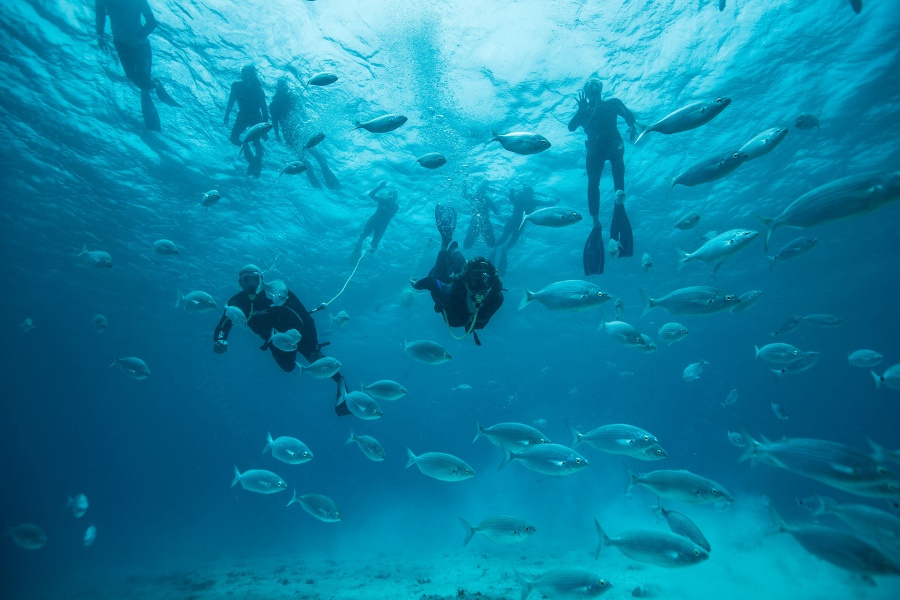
pixel 442 299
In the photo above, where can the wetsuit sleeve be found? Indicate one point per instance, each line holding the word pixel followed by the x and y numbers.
pixel 491 305
pixel 623 111
pixel 225 324
pixel 577 120
pixel 100 16
pixel 149 19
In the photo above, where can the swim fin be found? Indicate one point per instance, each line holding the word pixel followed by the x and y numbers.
pixel 164 96
pixel 594 252
pixel 620 229
pixel 445 218
pixel 151 117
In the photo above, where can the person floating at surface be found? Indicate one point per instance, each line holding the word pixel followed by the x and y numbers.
pixel 467 294
pixel 133 50
pixel 604 143
pixel 480 224
pixel 264 316
pixel 523 202
pixel 288 117
pixel 378 222
pixel 251 101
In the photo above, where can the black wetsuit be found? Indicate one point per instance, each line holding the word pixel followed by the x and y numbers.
pixel 604 143
pixel 480 224
pixel 251 101
pixel 380 219
pixel 287 117
pixel 449 293
pixel 265 317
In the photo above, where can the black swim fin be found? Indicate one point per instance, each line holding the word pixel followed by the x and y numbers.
pixel 594 252
pixel 164 96
pixel 620 229
pixel 151 117
pixel 445 218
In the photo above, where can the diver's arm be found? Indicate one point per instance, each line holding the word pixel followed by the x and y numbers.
pixel 578 118
pixel 488 308
pixel 262 105
pixel 623 112
pixel 373 194
pixel 231 98
pixel 149 20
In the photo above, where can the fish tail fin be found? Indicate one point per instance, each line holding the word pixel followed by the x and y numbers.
pixel 648 302
pixel 522 224
pixel 642 131
pixel 352 438
pixel 494 136
pixel 525 583
pixel 772 261
pixel 357 125
pixel 179 299
pixel 526 300
pixel 877 379
pixel 479 431
pixel 269 441
pixel 755 351
pixel 113 363
pixel 778 523
pixel 683 258
pixel 237 476
pixel 823 505
pixel 508 457
pixel 301 368
pixel 603 539
pixel 751 451
pixel 632 479
pixel 410 458
pixel 293 499
pixel 768 224
pixel 84 250
pixel 881 454
pixel 576 436
pixel 470 531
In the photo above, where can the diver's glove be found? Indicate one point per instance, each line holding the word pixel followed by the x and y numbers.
pixel 220 347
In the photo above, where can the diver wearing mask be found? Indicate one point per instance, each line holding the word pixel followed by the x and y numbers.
pixel 263 315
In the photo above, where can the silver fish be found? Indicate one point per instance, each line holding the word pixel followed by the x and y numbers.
pixel 620 308
pixel 385 390
pixel 362 405
pixel 655 547
pixel 78 504
pixel 709 169
pixel 722 246
pixel 805 362
pixel 133 366
pixel 549 459
pixel 788 326
pixel 731 398
pixel 256 133
pixel 432 160
pixel 649 344
pixel 779 411
pixel 793 249
pixel 259 481
pixel 647 262
pixel 195 302
pixel 503 530
pixel 430 353
pixel 696 300
pixel 564 583
pixel 672 332
pixel 27 535
pixel 688 222
pixel 99 323
pixel 321 79
pixel 689 117
pixel 840 199
pixel 440 466
pixel 340 319
pixel 613 248
pixel 806 120
pixel 293 168
pixel 96 258
pixel 683 526
pixel 210 198
pixel 515 436
pixel 693 371
pixel 747 300
pixel 869 520
pixel 619 438
pixel 277 291
pixel 165 247
pixel 314 140
pixel 865 359
pixel 90 535
pixel 553 216
pixel 778 353
pixel 370 447
pixel 382 124
pixel 286 341
pixel 321 507
pixel 521 142
pixel 288 449
pixel 622 332
pixel 323 368
pixel 235 314
pixel 27 325
pixel 822 320
pixel 764 143
pixel 737 439
pixel 890 377
pixel 680 485
pixel 571 295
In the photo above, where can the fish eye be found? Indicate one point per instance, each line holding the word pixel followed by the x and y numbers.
pixel 729 297
pixel 715 492
pixel 602 583
pixel 696 552
pixel 646 438
pixel 577 461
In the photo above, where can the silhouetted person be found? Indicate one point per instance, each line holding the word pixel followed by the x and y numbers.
pixel 251 101
pixel 480 223
pixel 378 222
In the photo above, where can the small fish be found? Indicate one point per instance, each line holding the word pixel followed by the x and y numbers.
pixel 672 332
pixel 195 302
pixel 874 522
pixel 764 143
pixel 27 325
pixel 78 504
pixel 277 291
pixel 620 438
pixel 235 314
pixel 339 320
pixel 647 262
pixel 806 121
pixel 543 422
pixel 440 466
pixel 564 583
pixel 27 535
pixel 99 323
pixel 515 436
pixel 165 247
pixel 626 374
pixel 722 246
pixel 314 140
pixel 432 160
pixel 430 353
pixel 463 387
pixel 793 249
pixel 133 367
pixel 688 222
pixel 323 368
pixel 693 371
pixel 549 459
pixel 321 79
pixel 287 341
pixel 385 390
pixel 865 359
pixel 702 239
pixel 747 301
pixel 683 526
pixel 259 481
pixel 680 485
pixel 287 449
pixel 778 353
pixel 737 439
pixel 822 320
pixel 613 248
pixel 362 405
pixel 256 133
pixel 96 258
pixel 620 307
pixel 622 332
pixel 788 326
pixel 369 446
pixel 571 295
pixel 807 361
pixel 321 507
pixel 503 530
pixel 710 169
pixel 552 216
pixel 731 398
pixel 382 124
pixel 521 142
pixel 779 411
pixel 649 345
pixel 90 535
pixel 890 378
pixel 686 118
pixel 210 198
pixel 695 300
pixel 655 547
pixel 292 168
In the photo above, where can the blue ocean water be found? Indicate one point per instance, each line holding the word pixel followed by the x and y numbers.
pixel 155 457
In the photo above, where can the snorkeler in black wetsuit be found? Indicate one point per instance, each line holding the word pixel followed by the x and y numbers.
pixel 467 294
pixel 604 143
pixel 480 223
pixel 288 116
pixel 251 101
pixel 378 222
pixel 523 202
pixel 263 315
pixel 133 50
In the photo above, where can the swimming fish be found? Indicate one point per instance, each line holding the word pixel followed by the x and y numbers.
pixel 658 548
pixel 806 121
pixel 779 411
pixel 686 118
pixel 90 535
pixel 235 314
pixel 807 361
pixel 890 378
pixel 133 367
pixel 276 291
pixel 195 302
pixel 620 308
pixel 874 522
pixel 823 320
pixel 165 247
pixel 613 248
pixel 255 133
pixel 370 447
pixel 27 535
pixel 722 246
pixel 382 124
pixel 571 295
pixel 259 481
pixel 622 332
pixel 688 221
pixel 648 346
pixel 693 371
pixel 764 143
pixel 564 583
pixel 647 262
pixel 549 459
pixel 292 168
pixel 323 368
pixel 287 341
pixel 731 398
pixel 321 507
pixel 430 353
pixel 737 439
pixel 440 466
pixel 362 405
pixel 788 326
pixel 96 258
pixel 78 504
pixel 709 169
pixel 502 529
pixel 680 485
pixel 27 325
pixel 287 449
pixel 314 140
pixel 672 332
pixel 683 526
pixel 778 353
pixel 793 249
pixel 321 79
pixel 696 300
pixel 619 438
pixel 210 198
pixel 432 160
pixel 865 359
pixel 340 319
pixel 385 390
pixel 552 216
pixel 515 436
pixel 99 323
pixel 746 301
pixel 521 142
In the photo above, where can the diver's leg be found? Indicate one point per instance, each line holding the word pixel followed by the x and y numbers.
pixel 148 110
pixel 487 232
pixel 255 167
pixel 471 233
pixel 620 226
pixel 330 180
pixel 285 360
pixel 378 230
pixel 240 124
pixel 445 218
pixel 594 165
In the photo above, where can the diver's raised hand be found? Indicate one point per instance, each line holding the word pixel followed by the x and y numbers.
pixel 581 100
